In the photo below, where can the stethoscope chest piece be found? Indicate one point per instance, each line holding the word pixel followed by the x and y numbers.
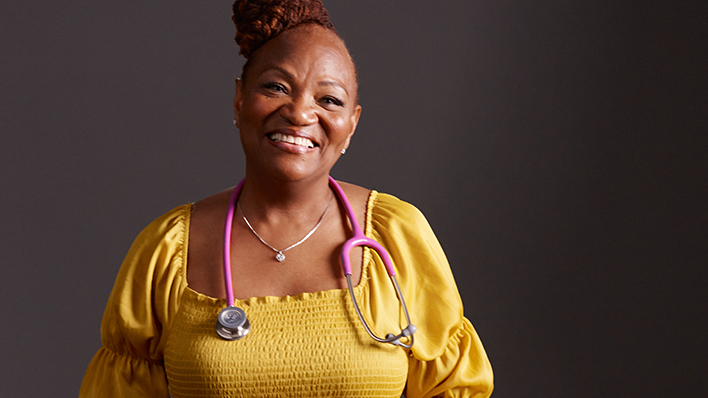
pixel 232 324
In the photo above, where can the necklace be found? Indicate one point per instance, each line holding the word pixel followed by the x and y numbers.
pixel 280 256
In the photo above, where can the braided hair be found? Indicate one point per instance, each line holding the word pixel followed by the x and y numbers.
pixel 258 21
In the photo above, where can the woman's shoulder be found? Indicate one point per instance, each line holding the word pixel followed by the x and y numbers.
pixel 205 211
pixel 176 228
pixel 170 225
pixel 207 223
pixel 387 208
pixel 206 234
pixel 355 193
pixel 358 198
pixel 213 203
pixel 373 199
pixel 381 210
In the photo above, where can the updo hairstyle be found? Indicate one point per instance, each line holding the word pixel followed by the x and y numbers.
pixel 258 21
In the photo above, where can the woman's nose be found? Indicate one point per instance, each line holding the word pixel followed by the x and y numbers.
pixel 299 111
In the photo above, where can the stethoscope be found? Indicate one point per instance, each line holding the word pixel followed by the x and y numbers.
pixel 232 323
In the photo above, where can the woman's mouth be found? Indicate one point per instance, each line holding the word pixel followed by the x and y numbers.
pixel 299 141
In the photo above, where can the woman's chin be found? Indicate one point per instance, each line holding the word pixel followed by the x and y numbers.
pixel 295 171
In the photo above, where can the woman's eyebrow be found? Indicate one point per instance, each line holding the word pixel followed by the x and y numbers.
pixel 321 84
pixel 279 69
pixel 333 83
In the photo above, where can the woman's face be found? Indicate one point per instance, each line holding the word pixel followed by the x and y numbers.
pixel 296 108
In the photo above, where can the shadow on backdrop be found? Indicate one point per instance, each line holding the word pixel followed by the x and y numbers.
pixel 558 151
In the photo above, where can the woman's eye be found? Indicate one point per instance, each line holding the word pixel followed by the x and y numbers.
pixel 329 100
pixel 273 86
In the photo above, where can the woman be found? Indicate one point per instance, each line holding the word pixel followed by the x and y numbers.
pixel 296 108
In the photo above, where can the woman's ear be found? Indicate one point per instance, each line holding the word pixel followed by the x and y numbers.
pixel 354 120
pixel 238 100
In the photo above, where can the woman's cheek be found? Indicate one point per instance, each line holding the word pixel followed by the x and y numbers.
pixel 339 123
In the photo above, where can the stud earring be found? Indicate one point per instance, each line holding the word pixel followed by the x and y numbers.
pixel 344 150
pixel 235 122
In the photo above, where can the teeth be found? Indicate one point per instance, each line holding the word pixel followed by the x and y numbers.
pixel 280 137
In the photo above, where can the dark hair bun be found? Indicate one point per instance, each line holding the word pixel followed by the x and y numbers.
pixel 258 21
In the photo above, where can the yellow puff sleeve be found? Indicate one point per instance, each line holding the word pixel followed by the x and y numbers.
pixel 143 300
pixel 447 359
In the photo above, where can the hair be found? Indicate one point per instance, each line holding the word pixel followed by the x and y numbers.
pixel 258 21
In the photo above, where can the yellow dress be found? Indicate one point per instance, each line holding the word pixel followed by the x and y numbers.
pixel 159 340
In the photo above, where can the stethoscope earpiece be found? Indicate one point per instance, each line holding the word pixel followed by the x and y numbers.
pixel 407 332
pixel 232 324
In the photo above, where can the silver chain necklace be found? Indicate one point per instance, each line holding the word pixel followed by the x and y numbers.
pixel 280 256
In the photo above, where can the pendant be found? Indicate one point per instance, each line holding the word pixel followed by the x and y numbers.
pixel 280 257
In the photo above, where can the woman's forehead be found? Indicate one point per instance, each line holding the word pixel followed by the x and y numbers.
pixel 308 48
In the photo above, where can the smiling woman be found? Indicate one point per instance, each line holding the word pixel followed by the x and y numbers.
pixel 295 319
pixel 296 104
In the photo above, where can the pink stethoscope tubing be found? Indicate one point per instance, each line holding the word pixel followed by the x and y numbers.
pixel 358 239
pixel 227 243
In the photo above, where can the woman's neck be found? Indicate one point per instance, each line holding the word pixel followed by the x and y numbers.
pixel 265 199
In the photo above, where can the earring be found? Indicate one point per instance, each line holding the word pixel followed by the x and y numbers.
pixel 344 150
pixel 235 122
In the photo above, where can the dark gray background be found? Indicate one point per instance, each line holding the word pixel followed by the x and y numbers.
pixel 557 148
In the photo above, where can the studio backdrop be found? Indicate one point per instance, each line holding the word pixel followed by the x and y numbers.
pixel 557 149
